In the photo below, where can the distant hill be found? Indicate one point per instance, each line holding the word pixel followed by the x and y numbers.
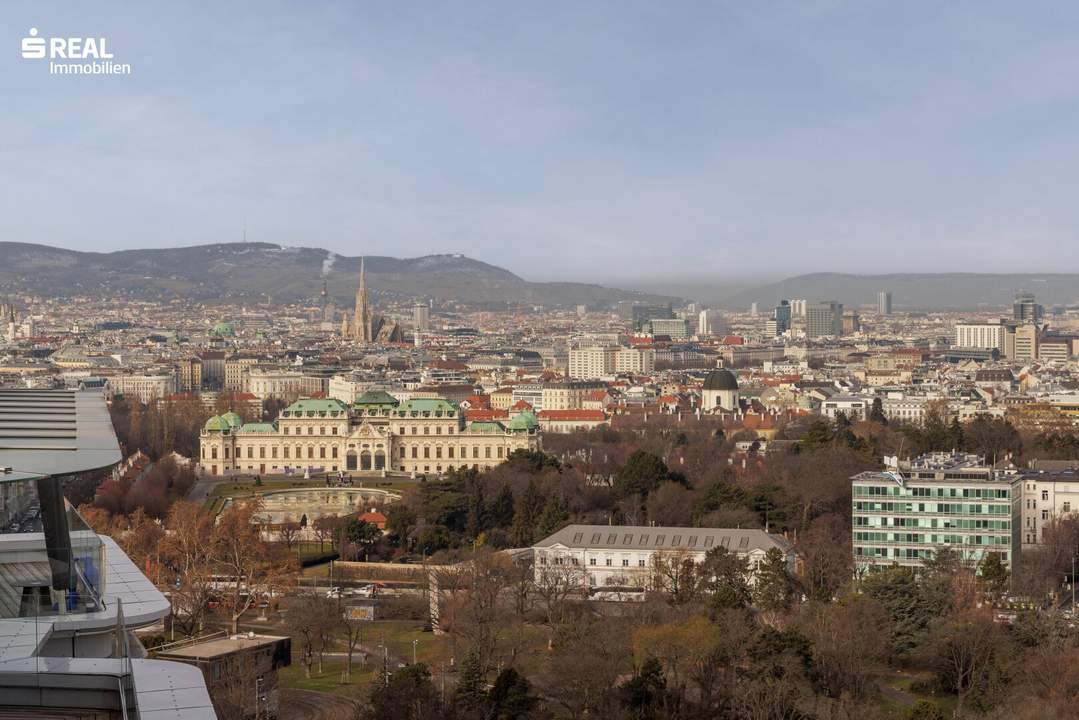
pixel 251 270
pixel 959 291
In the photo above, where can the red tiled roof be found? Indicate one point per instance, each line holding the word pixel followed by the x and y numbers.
pixel 584 415
pixel 521 405
pixel 483 414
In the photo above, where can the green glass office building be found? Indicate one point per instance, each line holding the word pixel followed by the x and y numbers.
pixel 904 514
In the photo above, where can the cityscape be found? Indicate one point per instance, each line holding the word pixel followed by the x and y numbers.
pixel 554 419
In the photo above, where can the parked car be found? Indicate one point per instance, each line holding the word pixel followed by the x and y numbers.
pixel 334 593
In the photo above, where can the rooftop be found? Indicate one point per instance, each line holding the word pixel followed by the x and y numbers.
pixel 630 537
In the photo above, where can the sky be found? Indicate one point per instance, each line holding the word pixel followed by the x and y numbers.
pixel 602 141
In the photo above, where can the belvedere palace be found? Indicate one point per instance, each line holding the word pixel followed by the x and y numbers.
pixel 377 432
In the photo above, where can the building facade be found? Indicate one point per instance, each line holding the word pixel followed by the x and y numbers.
pixel 422 435
pixel 824 319
pixel 598 556
pixel 907 513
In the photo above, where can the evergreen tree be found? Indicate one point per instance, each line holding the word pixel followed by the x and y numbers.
pixel 876 414
pixel 723 576
pixel 644 694
pixel 642 473
pixel 554 516
pixel 470 696
pixel 509 698
pixel 523 531
pixel 774 587
pixel 819 434
pixel 955 435
pixel 993 572
pixel 407 694
pixel 476 514
pixel 501 509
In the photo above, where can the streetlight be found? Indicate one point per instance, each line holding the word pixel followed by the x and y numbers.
pixel 414 651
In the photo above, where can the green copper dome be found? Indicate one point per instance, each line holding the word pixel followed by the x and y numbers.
pixel 232 420
pixel 215 424
pixel 523 421
pixel 223 328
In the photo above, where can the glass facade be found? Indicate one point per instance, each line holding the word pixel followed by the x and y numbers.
pixel 51 562
pixel 905 521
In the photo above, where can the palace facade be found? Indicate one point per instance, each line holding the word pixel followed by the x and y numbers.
pixel 425 435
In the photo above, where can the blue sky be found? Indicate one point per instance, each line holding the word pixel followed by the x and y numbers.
pixel 607 141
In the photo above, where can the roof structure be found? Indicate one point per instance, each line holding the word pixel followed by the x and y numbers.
pixel 722 379
pixel 56 432
pixel 320 407
pixel 693 539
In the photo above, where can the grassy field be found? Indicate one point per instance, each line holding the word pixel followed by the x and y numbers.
pixel 397 635
pixel 897 695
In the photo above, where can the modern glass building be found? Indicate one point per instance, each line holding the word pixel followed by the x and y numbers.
pixel 906 513
pixel 70 598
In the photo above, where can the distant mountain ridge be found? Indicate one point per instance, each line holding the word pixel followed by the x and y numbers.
pixel 251 270
pixel 957 291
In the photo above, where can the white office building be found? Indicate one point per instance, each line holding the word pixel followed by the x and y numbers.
pixel 598 556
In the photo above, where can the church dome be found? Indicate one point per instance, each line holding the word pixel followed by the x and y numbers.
pixel 722 379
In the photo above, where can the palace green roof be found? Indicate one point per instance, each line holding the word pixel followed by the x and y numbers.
pixel 215 424
pixel 233 420
pixel 426 407
pixel 319 407
pixel 376 397
pixel 259 427
pixel 486 427
pixel 523 421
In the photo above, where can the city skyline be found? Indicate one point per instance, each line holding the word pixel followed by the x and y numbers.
pixel 680 143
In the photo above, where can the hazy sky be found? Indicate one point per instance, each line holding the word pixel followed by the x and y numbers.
pixel 578 140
